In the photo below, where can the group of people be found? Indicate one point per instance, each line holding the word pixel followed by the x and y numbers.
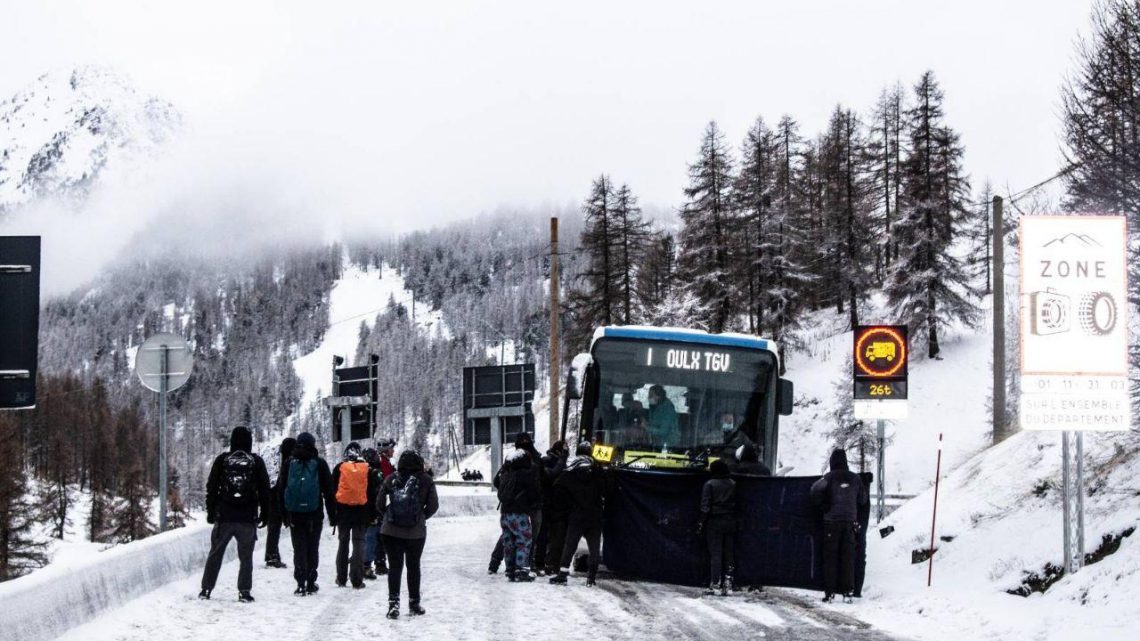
pixel 548 504
pixel 379 511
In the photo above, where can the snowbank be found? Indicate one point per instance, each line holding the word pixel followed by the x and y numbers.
pixel 47 603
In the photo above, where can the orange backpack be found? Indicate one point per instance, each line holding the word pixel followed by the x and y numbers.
pixel 353 486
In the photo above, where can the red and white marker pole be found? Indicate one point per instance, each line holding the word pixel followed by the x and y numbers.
pixel 934 517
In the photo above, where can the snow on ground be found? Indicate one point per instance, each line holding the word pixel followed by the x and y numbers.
pixel 464 602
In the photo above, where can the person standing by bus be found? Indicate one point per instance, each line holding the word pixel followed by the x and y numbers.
pixel 583 483
pixel 839 493
pixel 718 523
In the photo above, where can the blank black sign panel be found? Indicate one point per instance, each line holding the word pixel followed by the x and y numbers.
pixel 19 320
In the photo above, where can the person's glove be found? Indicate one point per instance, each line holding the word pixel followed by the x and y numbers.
pixel 211 518
pixel 286 520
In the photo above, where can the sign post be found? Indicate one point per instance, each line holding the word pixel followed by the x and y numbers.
pixel 880 367
pixel 1074 343
pixel 497 404
pixel 19 320
pixel 163 364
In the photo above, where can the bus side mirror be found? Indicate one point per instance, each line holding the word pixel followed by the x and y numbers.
pixel 784 397
pixel 576 379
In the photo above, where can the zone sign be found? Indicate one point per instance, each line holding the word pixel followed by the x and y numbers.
pixel 880 362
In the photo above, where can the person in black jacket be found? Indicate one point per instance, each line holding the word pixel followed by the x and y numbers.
pixel 305 484
pixel 355 488
pixel 584 485
pixel 404 526
pixel 523 443
pixel 520 492
pixel 718 523
pixel 237 503
pixel 840 493
pixel 274 522
pixel 748 461
pixel 555 510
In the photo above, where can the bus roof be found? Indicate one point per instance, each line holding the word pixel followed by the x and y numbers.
pixel 684 335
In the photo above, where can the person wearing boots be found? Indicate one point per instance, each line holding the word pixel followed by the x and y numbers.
pixel 718 523
pixel 839 493
pixel 306 487
pixel 519 491
pixel 556 505
pixel 407 499
pixel 237 503
pixel 524 444
pixel 355 505
pixel 583 483
pixel 276 510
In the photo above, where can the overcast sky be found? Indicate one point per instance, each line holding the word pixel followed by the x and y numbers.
pixel 413 113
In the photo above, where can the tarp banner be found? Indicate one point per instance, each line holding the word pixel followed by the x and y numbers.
pixel 651 530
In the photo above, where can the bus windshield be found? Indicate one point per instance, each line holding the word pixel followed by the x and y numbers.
pixel 677 396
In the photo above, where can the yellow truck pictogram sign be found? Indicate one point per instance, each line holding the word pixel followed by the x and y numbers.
pixel 881 349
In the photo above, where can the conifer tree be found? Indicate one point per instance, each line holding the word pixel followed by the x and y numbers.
pixel 655 279
pixel 885 149
pixel 980 235
pixel 20 552
pixel 595 300
pixel 631 233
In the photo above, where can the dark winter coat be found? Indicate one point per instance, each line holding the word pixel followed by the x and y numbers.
pixel 349 515
pixel 285 450
pixel 840 492
pixel 556 501
pixel 584 483
pixel 305 451
pixel 750 462
pixel 220 510
pixel 519 484
pixel 718 498
pixel 410 464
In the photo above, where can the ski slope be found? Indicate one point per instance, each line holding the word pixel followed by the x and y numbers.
pixel 464 602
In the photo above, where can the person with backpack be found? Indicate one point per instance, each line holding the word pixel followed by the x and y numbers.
pixel 372 533
pixel 718 523
pixel 355 504
pixel 583 483
pixel 840 494
pixel 306 487
pixel 237 503
pixel 523 443
pixel 520 494
pixel 276 510
pixel 407 499
pixel 384 469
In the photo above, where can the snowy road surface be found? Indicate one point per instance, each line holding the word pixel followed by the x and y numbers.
pixel 464 602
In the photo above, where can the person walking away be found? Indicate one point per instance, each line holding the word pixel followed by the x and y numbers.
pixel 276 510
pixel 237 503
pixel 306 488
pixel 840 493
pixel 407 500
pixel 583 483
pixel 748 461
pixel 372 533
pixel 718 523
pixel 555 511
pixel 355 505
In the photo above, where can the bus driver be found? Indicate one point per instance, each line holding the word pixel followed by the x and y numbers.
pixel 663 427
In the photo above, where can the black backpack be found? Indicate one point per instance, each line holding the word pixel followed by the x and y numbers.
pixel 404 508
pixel 238 486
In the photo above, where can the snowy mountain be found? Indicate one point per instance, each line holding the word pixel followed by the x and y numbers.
pixel 64 131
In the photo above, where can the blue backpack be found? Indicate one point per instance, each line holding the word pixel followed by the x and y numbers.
pixel 303 489
pixel 404 509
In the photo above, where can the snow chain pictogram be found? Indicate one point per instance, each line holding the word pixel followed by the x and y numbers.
pixel 1097 313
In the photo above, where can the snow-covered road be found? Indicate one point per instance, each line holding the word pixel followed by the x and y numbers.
pixel 464 602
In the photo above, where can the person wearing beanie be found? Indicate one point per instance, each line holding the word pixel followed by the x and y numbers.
pixel 839 494
pixel 407 499
pixel 355 504
pixel 583 483
pixel 274 522
pixel 534 516
pixel 305 487
pixel 237 503
pixel 718 524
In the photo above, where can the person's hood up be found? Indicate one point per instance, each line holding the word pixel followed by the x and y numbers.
pixel 306 447
pixel 839 460
pixel 286 448
pixel 719 469
pixel 410 462
pixel 518 459
pixel 371 457
pixel 241 439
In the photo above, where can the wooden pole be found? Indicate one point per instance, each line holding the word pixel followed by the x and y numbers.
pixel 934 516
pixel 555 330
pixel 999 321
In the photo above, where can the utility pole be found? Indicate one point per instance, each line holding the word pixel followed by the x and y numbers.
pixel 555 328
pixel 999 321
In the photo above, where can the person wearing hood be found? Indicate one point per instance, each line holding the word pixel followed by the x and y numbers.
pixel 555 511
pixel 748 461
pixel 276 511
pixel 718 523
pixel 524 444
pixel 355 504
pixel 519 487
pixel 407 499
pixel 839 494
pixel 237 503
pixel 583 483
pixel 306 486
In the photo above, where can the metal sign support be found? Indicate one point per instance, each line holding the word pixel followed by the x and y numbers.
pixel 1072 497
pixel 164 373
pixel 496 445
pixel 880 482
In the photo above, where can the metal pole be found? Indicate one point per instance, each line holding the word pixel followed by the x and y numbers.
pixel 1066 503
pixel 934 515
pixel 496 445
pixel 163 382
pixel 1079 490
pixel 999 426
pixel 555 329
pixel 880 482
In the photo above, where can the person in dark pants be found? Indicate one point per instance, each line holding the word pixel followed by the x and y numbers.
pixel 355 505
pixel 407 500
pixel 276 510
pixel 534 514
pixel 583 483
pixel 237 503
pixel 840 493
pixel 556 504
pixel 306 486
pixel 718 523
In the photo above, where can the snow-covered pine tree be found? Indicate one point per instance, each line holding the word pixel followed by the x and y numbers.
pixel 980 234
pixel 753 193
pixel 655 279
pixel 595 298
pixel 631 233
pixel 885 146
pixel 848 207
pixel 132 508
pixel 929 285
pixel 704 263
pixel 20 552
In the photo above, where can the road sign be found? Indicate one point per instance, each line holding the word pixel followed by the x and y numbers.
pixel 179 362
pixel 1074 323
pixel 354 400
pixel 879 362
pixel 497 391
pixel 19 320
